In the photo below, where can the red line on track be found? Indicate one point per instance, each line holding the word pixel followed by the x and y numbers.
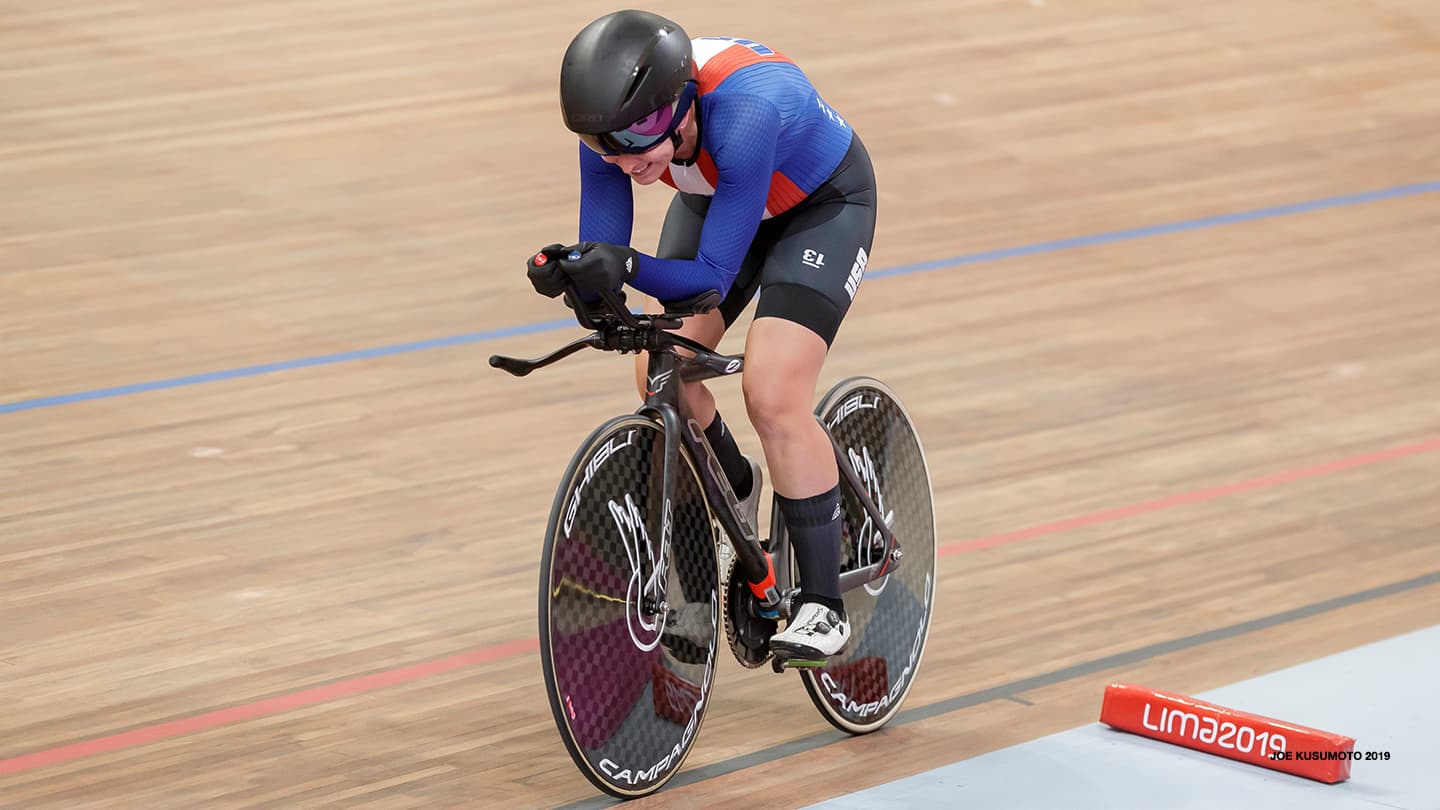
pixel 1186 498
pixel 510 649
pixel 261 708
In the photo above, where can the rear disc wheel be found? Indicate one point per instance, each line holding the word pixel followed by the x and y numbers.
pixel 859 690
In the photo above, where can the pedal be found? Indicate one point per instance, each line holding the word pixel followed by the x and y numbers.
pixel 779 662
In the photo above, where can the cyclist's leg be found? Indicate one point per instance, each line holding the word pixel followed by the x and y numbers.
pixel 812 271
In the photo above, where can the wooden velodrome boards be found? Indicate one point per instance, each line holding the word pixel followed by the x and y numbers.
pixel 1156 279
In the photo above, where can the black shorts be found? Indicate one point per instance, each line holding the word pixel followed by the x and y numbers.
pixel 807 263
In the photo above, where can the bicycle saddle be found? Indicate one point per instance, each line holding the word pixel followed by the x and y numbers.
pixel 694 305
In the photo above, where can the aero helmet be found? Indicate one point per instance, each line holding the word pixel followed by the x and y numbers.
pixel 627 81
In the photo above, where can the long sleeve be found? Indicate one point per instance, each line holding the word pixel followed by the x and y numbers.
pixel 741 135
pixel 607 201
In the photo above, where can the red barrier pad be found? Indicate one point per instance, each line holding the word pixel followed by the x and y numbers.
pixel 1229 733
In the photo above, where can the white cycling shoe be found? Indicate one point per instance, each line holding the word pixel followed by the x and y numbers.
pixel 814 632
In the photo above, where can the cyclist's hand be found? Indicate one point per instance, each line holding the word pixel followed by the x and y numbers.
pixel 597 267
pixel 544 271
pixel 594 307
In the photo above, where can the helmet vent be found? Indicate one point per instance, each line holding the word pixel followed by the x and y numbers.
pixel 635 83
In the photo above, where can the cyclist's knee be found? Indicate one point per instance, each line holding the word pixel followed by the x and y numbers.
pixel 775 409
pixel 783 362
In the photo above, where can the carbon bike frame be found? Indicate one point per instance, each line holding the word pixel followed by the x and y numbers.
pixel 617 329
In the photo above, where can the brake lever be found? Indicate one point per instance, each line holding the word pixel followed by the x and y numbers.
pixel 513 365
pixel 521 367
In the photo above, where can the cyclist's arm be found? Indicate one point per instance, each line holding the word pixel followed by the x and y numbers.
pixel 607 201
pixel 740 135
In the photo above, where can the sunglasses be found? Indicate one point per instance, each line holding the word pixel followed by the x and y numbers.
pixel 648 132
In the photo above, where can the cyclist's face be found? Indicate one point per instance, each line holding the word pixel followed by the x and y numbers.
pixel 647 167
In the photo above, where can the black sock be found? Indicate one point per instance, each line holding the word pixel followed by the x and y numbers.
pixel 732 461
pixel 814 525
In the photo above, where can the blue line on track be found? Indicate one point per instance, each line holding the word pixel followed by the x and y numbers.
pixel 908 269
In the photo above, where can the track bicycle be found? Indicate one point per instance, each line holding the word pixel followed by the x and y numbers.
pixel 647 554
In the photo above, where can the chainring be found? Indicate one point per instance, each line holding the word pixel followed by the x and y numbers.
pixel 747 632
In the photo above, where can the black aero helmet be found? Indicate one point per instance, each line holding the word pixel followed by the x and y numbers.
pixel 626 82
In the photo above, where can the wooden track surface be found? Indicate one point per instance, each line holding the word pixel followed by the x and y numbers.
pixel 316 586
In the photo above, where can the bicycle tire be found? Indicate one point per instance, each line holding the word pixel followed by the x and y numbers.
pixel 861 689
pixel 628 677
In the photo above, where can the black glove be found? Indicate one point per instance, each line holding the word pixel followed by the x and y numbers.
pixel 544 270
pixel 597 267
